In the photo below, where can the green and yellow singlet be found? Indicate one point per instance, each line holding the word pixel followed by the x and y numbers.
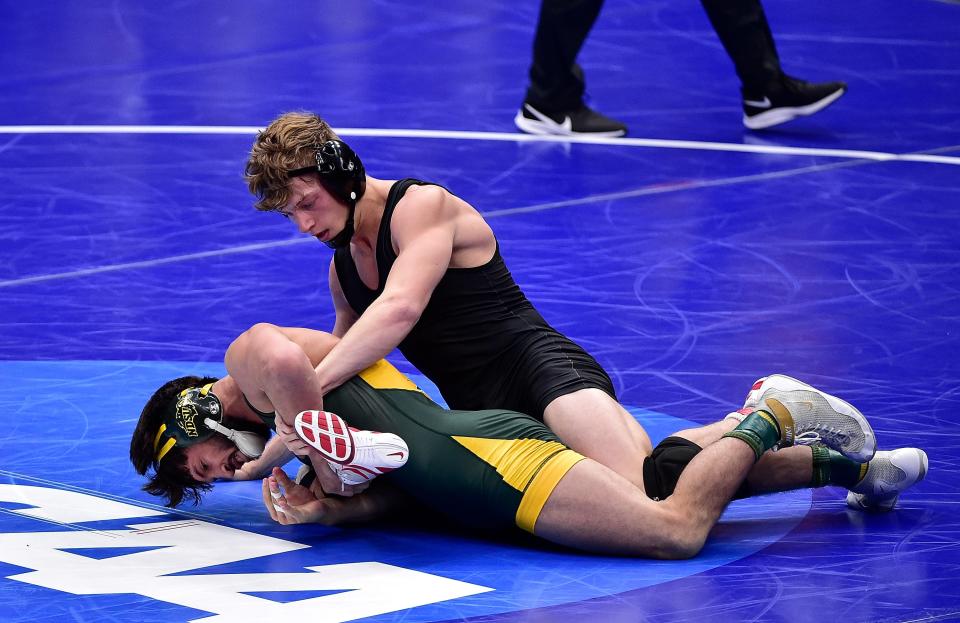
pixel 490 469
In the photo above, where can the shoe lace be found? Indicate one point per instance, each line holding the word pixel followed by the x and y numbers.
pixel 809 437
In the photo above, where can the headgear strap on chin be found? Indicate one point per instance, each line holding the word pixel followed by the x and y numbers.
pixel 249 443
pixel 195 417
pixel 343 175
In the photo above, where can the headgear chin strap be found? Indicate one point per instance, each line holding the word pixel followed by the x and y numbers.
pixel 342 174
pixel 196 416
pixel 249 443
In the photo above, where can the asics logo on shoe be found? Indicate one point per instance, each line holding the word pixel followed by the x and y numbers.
pixel 764 103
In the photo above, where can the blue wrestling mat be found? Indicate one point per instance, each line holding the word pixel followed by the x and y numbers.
pixel 76 532
pixel 689 259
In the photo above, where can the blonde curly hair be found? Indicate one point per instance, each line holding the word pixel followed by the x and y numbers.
pixel 288 143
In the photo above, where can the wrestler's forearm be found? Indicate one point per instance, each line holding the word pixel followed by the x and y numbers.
pixel 378 501
pixel 374 335
pixel 274 454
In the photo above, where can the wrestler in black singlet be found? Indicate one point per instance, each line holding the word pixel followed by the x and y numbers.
pixel 479 338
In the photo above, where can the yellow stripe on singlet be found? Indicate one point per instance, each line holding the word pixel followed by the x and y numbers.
pixel 531 466
pixel 382 375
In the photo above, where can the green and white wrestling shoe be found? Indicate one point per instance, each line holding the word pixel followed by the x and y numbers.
pixel 889 473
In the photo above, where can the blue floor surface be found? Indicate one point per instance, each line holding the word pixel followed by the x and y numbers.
pixel 826 249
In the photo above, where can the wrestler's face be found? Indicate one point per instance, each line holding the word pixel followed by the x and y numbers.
pixel 217 457
pixel 313 209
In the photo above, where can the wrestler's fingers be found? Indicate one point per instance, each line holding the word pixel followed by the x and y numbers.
pixel 282 479
pixel 293 443
pixel 268 500
pixel 275 491
pixel 287 512
pixel 283 427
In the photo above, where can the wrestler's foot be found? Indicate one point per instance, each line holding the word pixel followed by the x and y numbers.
pixel 806 415
pixel 888 473
pixel 778 381
pixel 356 456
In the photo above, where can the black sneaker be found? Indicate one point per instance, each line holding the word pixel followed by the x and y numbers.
pixel 580 122
pixel 788 99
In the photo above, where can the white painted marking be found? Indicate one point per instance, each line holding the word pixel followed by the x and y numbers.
pixel 369 588
pixel 854 156
pixel 17 476
pixel 155 262
pixel 493 136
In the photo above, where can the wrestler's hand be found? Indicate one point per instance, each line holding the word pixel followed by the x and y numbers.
pixel 329 482
pixel 328 479
pixel 325 476
pixel 290 503
pixel 288 435
pixel 249 471
pixel 274 454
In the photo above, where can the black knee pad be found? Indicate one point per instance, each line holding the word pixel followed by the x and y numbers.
pixel 662 469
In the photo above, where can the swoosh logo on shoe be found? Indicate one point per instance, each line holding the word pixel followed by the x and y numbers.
pixel 565 127
pixel 764 103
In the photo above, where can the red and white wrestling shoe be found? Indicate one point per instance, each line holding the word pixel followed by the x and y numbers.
pixel 356 456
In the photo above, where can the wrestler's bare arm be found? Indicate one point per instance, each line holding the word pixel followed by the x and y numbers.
pixel 424 231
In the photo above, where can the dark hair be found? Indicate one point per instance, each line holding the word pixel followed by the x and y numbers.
pixel 170 479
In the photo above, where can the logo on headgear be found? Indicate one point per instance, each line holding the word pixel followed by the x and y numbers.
pixel 193 406
pixel 186 418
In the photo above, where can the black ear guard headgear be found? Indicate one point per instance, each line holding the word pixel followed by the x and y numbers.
pixel 195 417
pixel 342 174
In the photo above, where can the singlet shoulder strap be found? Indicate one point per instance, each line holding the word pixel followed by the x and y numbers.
pixel 358 295
pixel 385 254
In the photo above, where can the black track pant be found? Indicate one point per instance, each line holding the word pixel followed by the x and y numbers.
pixel 557 82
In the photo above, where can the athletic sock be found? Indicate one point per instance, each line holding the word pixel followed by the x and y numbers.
pixel 759 430
pixel 832 468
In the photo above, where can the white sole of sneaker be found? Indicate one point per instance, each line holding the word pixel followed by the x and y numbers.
pixel 326 433
pixel 540 128
pixel 880 502
pixel 858 502
pixel 787 113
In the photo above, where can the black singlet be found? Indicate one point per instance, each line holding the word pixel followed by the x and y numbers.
pixel 479 339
